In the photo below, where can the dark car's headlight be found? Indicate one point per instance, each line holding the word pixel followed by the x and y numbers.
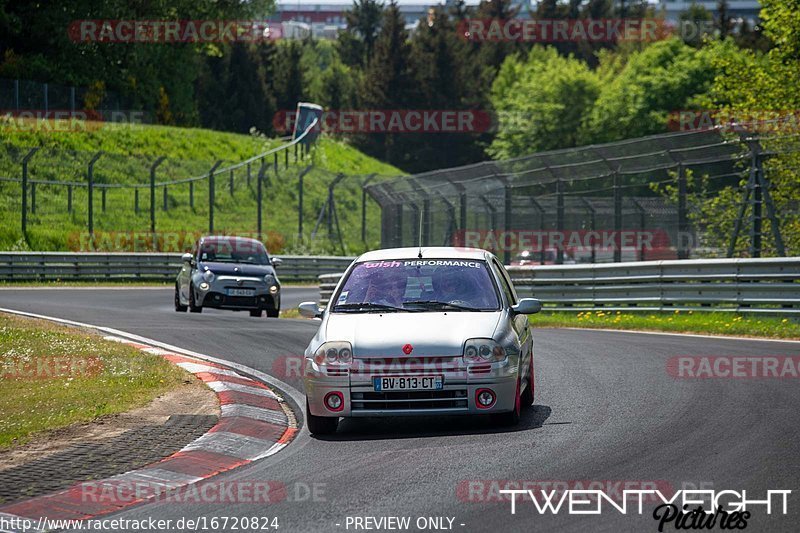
pixel 269 279
pixel 334 353
pixel 483 351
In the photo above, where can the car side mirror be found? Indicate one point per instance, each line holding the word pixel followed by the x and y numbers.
pixel 276 261
pixel 187 258
pixel 310 310
pixel 527 306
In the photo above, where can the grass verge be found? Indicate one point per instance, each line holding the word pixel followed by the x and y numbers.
pixel 677 322
pixel 52 376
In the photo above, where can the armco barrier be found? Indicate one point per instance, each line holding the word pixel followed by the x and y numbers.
pixel 161 267
pixel 769 286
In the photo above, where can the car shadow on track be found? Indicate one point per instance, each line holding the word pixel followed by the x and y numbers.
pixel 430 426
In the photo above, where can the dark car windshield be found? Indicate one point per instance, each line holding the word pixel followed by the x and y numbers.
pixel 418 285
pixel 233 251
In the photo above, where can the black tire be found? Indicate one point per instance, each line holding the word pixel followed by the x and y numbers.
pixel 180 308
pixel 511 418
pixel 321 425
pixel 255 312
pixel 527 396
pixel 192 307
pixel 273 313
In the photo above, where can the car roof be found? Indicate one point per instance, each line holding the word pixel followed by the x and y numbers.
pixel 428 252
pixel 223 238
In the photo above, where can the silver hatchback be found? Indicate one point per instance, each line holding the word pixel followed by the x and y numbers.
pixel 437 331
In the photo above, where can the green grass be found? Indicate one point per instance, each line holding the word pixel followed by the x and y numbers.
pixel 678 322
pixel 128 155
pixel 89 377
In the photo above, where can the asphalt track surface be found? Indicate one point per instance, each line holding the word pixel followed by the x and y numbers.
pixel 606 410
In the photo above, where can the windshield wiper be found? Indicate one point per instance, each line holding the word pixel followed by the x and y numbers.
pixel 368 305
pixel 436 303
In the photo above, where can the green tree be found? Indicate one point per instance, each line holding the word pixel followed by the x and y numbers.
pixel 541 102
pixel 388 84
pixel 663 78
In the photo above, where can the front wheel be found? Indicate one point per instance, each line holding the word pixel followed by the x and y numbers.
pixel 527 396
pixel 193 308
pixel 273 313
pixel 511 418
pixel 321 425
pixel 179 307
pixel 255 312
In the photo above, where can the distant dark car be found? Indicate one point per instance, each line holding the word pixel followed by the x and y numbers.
pixel 229 273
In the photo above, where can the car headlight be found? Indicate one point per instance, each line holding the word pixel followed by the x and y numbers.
pixel 208 276
pixel 274 289
pixel 269 279
pixel 483 351
pixel 334 353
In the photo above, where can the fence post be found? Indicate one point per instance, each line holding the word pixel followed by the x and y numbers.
pixel 248 175
pixel 755 228
pixel 191 194
pixel 286 159
pixel 103 199
pixel 259 195
pixel 16 95
pixel 230 182
pixel 507 217
pixel 560 220
pixel 364 207
pixel 211 195
pixel 617 218
pixel 153 198
pixel 33 197
pixel 275 162
pixel 683 252
pixel 72 99
pixel 90 200
pixel 69 198
pixel 164 208
pixel 136 200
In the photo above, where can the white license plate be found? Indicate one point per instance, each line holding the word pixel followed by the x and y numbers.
pixel 241 292
pixel 395 383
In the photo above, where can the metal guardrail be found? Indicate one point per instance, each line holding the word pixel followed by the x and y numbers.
pixel 767 286
pixel 160 267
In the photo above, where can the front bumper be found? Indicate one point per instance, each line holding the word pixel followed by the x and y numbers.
pixel 218 294
pixel 457 396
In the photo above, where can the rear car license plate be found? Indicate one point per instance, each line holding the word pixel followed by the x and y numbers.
pixel 407 383
pixel 241 292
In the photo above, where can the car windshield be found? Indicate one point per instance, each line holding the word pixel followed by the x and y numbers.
pixel 418 285
pixel 234 251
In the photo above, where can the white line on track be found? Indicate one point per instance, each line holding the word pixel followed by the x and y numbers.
pixel 698 335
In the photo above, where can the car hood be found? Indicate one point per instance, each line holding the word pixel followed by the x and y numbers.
pixel 229 269
pixel 430 334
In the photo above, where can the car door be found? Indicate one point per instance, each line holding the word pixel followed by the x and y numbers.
pixel 519 322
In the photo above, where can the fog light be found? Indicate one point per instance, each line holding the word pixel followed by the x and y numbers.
pixel 273 289
pixel 204 286
pixel 484 398
pixel 334 401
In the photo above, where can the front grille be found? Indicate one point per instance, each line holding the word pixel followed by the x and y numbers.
pixel 409 400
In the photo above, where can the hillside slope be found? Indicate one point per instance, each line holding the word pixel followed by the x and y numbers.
pixel 129 152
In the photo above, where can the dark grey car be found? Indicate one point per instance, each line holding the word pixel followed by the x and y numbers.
pixel 233 273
